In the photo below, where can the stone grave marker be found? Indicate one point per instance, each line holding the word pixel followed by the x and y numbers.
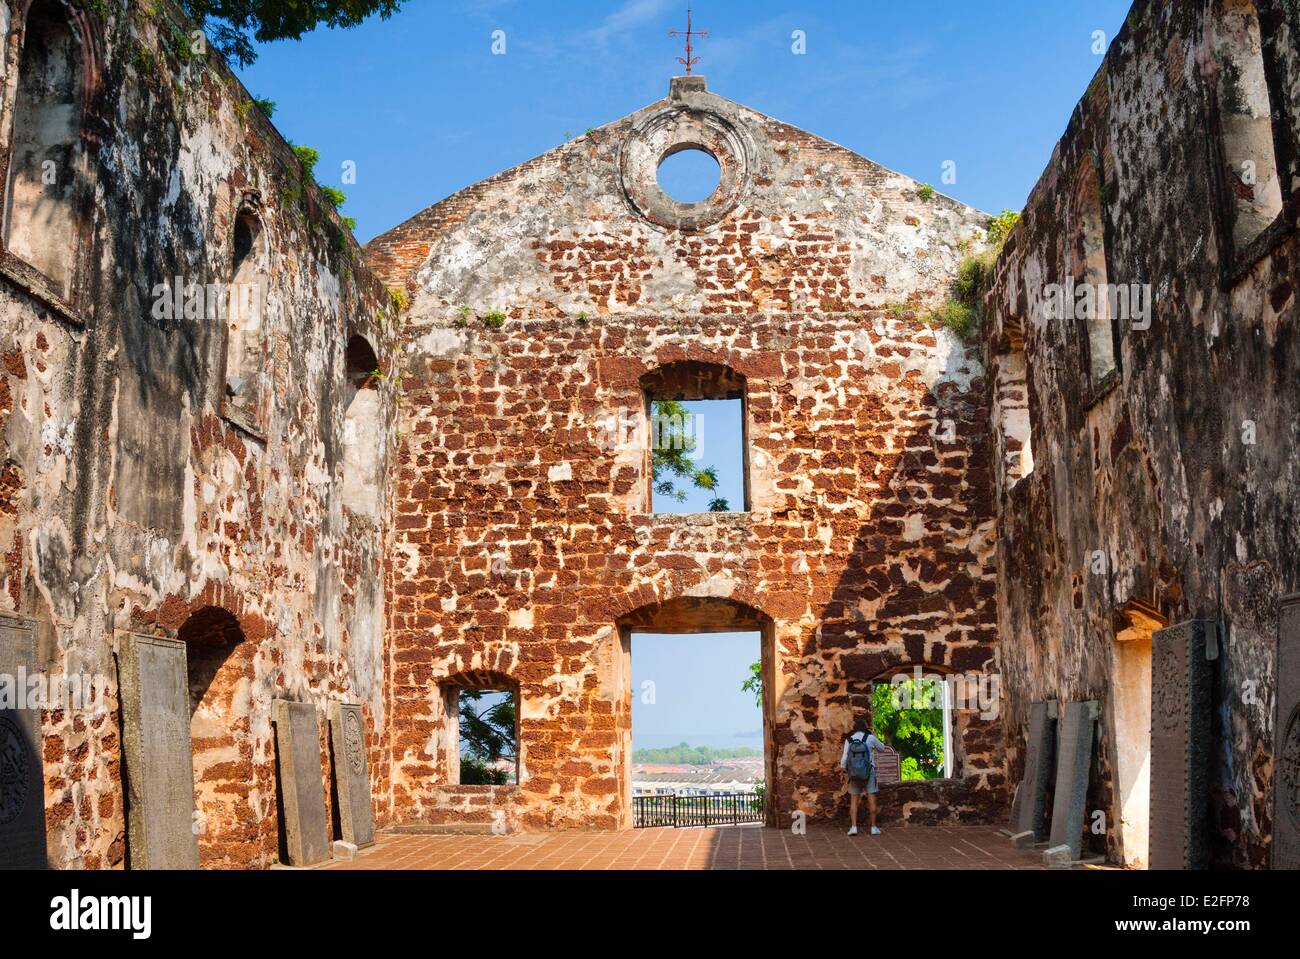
pixel 302 790
pixel 22 768
pixel 1073 760
pixel 1181 680
pixel 1028 811
pixel 1286 739
pixel 158 765
pixel 351 775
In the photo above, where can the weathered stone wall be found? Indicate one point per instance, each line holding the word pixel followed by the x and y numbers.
pixel 523 546
pixel 1182 470
pixel 131 501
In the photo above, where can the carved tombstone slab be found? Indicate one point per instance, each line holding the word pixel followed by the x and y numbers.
pixel 1286 739
pixel 1181 678
pixel 1073 761
pixel 888 767
pixel 302 791
pixel 1028 812
pixel 22 772
pixel 351 775
pixel 158 764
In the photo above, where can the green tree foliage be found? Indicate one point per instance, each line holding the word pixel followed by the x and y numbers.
pixel 233 26
pixel 917 733
pixel 671 459
pixel 754 684
pixel 487 735
pixel 685 755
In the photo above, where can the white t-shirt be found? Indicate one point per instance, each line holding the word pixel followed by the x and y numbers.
pixel 873 744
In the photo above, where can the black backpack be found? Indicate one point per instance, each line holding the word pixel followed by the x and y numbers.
pixel 859 759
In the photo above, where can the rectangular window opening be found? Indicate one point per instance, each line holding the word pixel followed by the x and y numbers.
pixel 697 456
pixel 488 740
pixel 914 718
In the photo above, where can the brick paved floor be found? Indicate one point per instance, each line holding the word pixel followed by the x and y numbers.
pixel 726 847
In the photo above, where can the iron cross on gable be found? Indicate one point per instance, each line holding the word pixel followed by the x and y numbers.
pixel 688 61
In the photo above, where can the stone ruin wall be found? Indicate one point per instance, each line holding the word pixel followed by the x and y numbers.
pixel 1153 470
pixel 130 502
pixel 522 543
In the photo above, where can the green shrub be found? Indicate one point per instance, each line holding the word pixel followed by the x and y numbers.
pixel 494 320
pixel 958 317
pixel 308 158
pixel 925 192
pixel 1000 227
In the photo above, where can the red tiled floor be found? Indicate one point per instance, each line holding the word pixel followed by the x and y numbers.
pixel 725 847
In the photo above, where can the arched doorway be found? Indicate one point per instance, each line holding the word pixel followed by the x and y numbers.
pixel 700 617
pixel 220 673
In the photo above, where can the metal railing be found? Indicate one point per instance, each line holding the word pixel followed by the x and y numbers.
pixel 708 809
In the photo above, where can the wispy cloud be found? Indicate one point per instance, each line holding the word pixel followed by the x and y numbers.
pixel 633 14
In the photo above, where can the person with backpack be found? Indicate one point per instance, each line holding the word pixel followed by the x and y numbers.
pixel 859 761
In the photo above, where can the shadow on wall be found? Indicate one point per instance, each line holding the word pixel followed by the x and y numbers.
pixel 907 596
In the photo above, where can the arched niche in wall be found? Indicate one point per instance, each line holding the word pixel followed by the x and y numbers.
pixel 1090 270
pixel 47 183
pixel 220 674
pixel 362 429
pixel 1253 197
pixel 247 370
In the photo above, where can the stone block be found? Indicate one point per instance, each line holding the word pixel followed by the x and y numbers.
pixel 1286 739
pixel 351 775
pixel 1073 761
pixel 158 764
pixel 1028 812
pixel 1181 681
pixel 301 788
pixel 22 778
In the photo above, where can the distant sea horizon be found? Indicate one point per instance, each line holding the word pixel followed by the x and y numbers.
pixel 754 740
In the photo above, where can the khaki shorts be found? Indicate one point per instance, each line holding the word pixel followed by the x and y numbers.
pixel 855 785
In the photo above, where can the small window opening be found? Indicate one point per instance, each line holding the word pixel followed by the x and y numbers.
pixel 488 736
pixel 697 440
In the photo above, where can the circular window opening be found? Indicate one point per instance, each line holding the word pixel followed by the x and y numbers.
pixel 689 176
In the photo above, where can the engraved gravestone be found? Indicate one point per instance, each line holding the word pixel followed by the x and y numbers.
pixel 1073 761
pixel 1028 812
pixel 351 774
pixel 158 764
pixel 1286 739
pixel 1181 677
pixel 22 778
pixel 302 790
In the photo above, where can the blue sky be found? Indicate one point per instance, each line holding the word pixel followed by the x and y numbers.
pixel 424 108
pixel 697 694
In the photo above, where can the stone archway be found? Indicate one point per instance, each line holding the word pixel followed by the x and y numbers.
pixel 700 614
pixel 219 665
